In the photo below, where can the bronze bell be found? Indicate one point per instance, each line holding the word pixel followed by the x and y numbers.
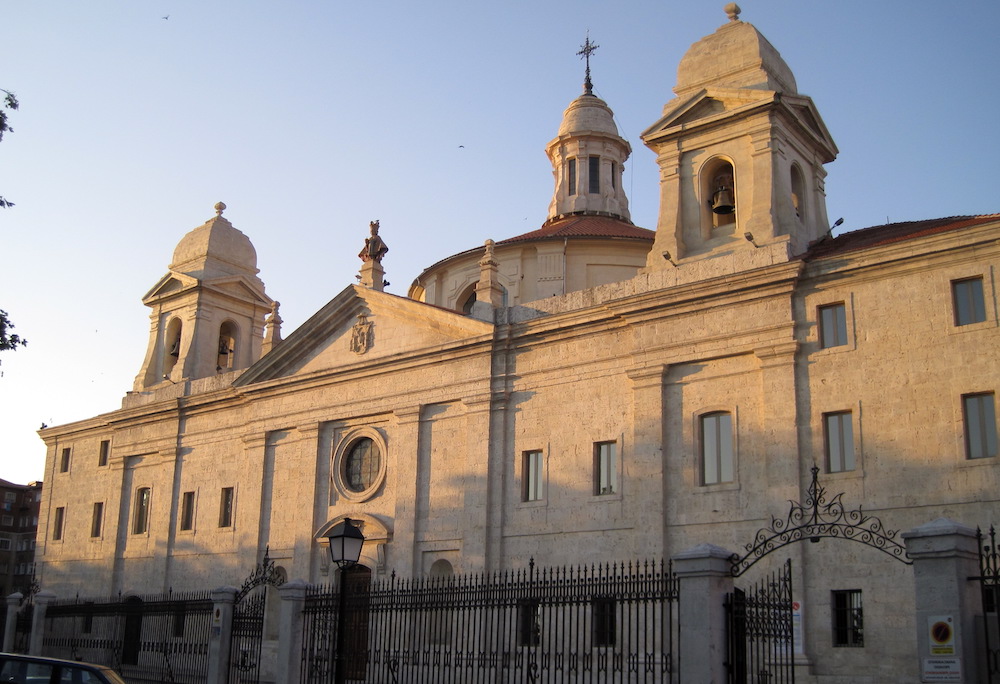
pixel 722 200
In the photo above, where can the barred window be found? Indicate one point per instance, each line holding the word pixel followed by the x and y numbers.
pixel 848 618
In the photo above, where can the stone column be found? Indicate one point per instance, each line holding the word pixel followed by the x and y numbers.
pixel 42 601
pixel 293 599
pixel 705 579
pixel 945 555
pixel 220 638
pixel 10 626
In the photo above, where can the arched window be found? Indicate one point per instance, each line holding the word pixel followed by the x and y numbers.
pixel 798 192
pixel 227 346
pixel 171 346
pixel 717 456
pixel 718 188
pixel 362 465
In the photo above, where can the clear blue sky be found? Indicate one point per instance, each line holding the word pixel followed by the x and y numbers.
pixel 311 118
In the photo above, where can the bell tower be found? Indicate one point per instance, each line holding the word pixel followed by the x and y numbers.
pixel 208 311
pixel 740 152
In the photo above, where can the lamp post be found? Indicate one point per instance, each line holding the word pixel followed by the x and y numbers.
pixel 346 541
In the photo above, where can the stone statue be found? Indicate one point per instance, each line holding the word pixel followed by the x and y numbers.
pixel 375 248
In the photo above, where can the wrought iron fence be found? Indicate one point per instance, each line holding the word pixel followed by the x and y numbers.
pixel 760 636
pixel 600 623
pixel 162 638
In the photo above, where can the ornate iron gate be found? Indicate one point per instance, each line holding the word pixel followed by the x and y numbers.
pixel 22 627
pixel 759 628
pixel 248 622
pixel 989 585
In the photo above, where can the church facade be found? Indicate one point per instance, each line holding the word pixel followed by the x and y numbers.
pixel 588 391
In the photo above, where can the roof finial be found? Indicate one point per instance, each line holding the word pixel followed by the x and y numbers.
pixel 733 11
pixel 586 50
pixel 219 208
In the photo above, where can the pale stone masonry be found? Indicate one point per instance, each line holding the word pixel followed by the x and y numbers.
pixel 721 358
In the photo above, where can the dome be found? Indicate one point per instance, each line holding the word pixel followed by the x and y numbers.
pixel 215 248
pixel 735 56
pixel 588 113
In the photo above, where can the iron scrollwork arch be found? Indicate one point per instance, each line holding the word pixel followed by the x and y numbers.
pixel 265 573
pixel 817 518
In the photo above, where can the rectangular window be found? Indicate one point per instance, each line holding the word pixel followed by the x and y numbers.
pixel 716 448
pixel 594 175
pixel 848 618
pixel 97 520
pixel 64 461
pixel 980 425
pixel 10 497
pixel 57 524
pixel 102 457
pixel 839 432
pixel 969 304
pixel 7 520
pixel 529 625
pixel 187 511
pixel 533 468
pixel 571 176
pixel 604 623
pixel 4 544
pixel 614 180
pixel 605 468
pixel 833 325
pixel 140 520
pixel 226 507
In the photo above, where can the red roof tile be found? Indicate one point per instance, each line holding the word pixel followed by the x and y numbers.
pixel 585 226
pixel 892 232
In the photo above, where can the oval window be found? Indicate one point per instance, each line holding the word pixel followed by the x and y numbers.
pixel 362 465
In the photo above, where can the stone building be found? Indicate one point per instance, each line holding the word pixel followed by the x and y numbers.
pixel 590 390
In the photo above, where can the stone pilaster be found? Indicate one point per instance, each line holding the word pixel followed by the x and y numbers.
pixel 293 599
pixel 704 574
pixel 220 636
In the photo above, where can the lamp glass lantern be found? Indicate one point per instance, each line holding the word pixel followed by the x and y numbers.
pixel 346 541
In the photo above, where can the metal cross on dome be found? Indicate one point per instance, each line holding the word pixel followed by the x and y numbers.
pixel 586 50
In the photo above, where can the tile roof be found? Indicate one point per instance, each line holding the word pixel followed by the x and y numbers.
pixel 582 227
pixel 892 232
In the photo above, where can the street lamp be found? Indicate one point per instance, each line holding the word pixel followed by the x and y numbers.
pixel 346 541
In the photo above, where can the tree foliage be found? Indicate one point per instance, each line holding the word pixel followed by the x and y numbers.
pixel 9 102
pixel 9 340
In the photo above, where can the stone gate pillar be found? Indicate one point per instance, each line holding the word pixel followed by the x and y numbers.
pixel 10 624
pixel 705 576
pixel 293 600
pixel 42 601
pixel 221 635
pixel 945 555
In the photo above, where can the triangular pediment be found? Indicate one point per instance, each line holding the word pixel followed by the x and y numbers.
pixel 707 106
pixel 361 326
pixel 169 285
pixel 239 287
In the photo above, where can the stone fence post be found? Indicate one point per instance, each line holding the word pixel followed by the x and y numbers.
pixel 10 623
pixel 705 579
pixel 293 600
pixel 42 601
pixel 221 635
pixel 945 556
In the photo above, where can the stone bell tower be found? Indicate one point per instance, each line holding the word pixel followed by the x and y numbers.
pixel 740 152
pixel 208 310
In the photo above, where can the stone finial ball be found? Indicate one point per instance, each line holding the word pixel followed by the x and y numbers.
pixel 733 11
pixel 220 207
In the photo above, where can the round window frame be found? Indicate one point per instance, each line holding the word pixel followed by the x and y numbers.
pixel 344 447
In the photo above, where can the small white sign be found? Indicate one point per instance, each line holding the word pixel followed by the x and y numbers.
pixel 942 670
pixel 797 645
